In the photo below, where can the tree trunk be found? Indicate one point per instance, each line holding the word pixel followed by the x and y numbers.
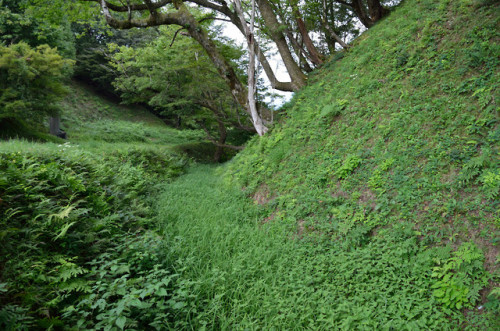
pixel 296 75
pixel 240 93
pixel 219 149
pixel 235 19
pixel 377 11
pixel 359 10
pixel 316 57
pixel 222 65
pixel 55 125
pixel 331 36
pixel 300 52
pixel 256 118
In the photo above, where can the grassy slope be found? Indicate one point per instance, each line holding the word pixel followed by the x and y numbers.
pixel 100 120
pixel 89 117
pixel 403 129
pixel 230 271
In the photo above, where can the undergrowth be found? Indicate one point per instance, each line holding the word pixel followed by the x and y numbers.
pixel 220 267
pixel 376 202
pixel 62 207
pixel 401 129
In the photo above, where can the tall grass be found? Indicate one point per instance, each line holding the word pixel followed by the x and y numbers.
pixel 236 272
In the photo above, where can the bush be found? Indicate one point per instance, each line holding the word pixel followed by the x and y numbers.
pixel 30 81
pixel 61 208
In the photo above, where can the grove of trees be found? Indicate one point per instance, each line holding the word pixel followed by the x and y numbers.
pixel 171 55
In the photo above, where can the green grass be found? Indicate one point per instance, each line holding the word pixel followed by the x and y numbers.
pixel 230 270
pixel 99 124
pixel 374 203
pixel 88 116
pixel 84 104
pixel 402 129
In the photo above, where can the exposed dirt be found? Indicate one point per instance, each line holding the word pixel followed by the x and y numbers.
pixel 269 218
pixel 337 192
pixel 263 195
pixel 368 198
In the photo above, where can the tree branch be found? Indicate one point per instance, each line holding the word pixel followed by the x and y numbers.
pixel 134 7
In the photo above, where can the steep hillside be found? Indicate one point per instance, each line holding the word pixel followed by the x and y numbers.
pixel 400 131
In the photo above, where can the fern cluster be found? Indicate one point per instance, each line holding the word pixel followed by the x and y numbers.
pixel 61 208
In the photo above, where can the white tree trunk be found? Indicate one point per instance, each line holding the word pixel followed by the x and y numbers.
pixel 249 32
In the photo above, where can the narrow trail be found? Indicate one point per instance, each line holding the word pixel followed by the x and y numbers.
pixel 234 272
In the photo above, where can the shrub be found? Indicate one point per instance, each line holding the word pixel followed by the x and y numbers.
pixel 30 81
pixel 61 208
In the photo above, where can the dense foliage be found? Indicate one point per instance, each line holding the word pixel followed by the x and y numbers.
pixel 63 208
pixel 93 54
pixel 29 22
pixel 234 268
pixel 31 81
pixel 373 204
pixel 174 75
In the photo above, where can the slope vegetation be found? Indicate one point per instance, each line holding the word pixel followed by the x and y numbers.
pixel 401 131
pixel 67 206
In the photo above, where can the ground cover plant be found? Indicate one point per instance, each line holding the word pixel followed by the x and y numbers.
pixel 217 266
pixel 372 205
pixel 232 271
pixel 402 128
pixel 68 204
pixel 61 207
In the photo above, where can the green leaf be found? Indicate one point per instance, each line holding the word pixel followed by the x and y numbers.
pixel 162 292
pixel 439 293
pixel 63 214
pixel 64 230
pixel 179 305
pixel 120 322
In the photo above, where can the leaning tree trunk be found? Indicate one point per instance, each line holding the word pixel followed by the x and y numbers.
pixel 296 75
pixel 358 8
pixel 252 105
pixel 184 18
pixel 377 11
pixel 316 57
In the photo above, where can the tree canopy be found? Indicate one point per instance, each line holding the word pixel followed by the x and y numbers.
pixel 177 78
pixel 31 81
pixel 304 34
pixel 278 22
